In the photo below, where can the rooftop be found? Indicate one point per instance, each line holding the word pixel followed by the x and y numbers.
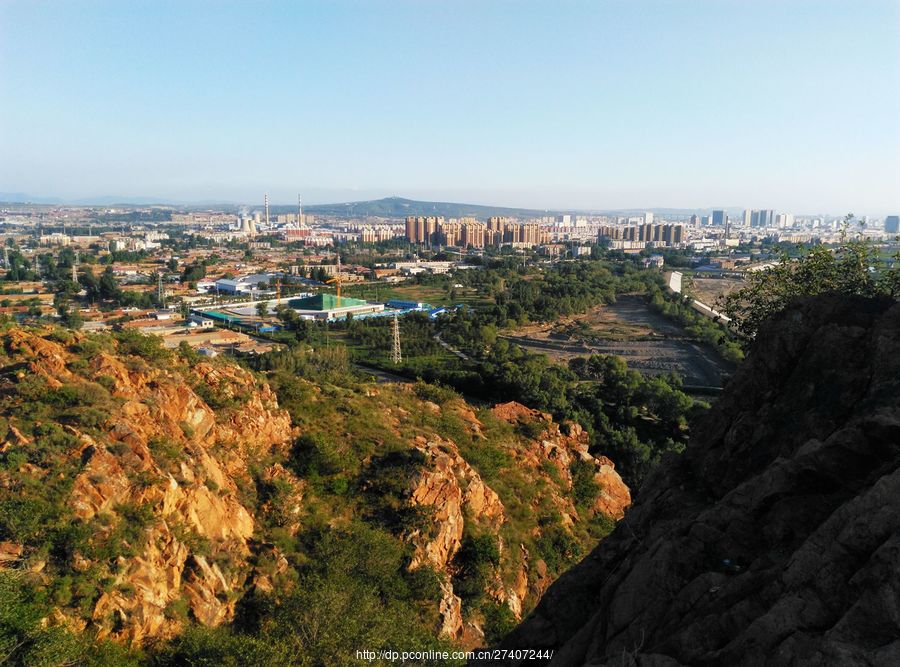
pixel 325 302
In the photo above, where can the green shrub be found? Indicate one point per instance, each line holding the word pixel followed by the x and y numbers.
pixel 222 647
pixel 338 486
pixel 106 381
pixel 584 487
pixel 386 482
pixel 435 393
pixel 478 554
pixel 27 520
pixel 488 458
pixel 315 454
pixel 218 398
pixel 531 429
pixel 499 621
pixel 552 471
pixel 26 641
pixel 557 546
pixel 165 450
pixel 425 583
pixel 149 348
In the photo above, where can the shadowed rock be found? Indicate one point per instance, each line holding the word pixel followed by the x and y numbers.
pixel 775 538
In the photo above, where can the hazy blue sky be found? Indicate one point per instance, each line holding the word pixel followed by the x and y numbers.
pixel 787 104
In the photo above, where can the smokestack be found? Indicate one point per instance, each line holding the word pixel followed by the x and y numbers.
pixel 267 210
pixel 299 209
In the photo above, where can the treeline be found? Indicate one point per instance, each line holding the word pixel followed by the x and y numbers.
pixel 630 418
pixel 525 295
pixel 105 289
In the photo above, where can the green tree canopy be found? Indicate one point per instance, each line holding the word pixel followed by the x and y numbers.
pixel 853 268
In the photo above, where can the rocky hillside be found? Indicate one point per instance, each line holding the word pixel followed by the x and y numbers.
pixel 144 493
pixel 452 490
pixel 774 538
pixel 121 485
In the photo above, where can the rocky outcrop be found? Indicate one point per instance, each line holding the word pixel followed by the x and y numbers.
pixel 455 493
pixel 166 458
pixel 774 538
pixel 561 446
pixel 452 489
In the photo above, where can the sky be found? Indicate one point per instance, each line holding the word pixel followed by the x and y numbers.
pixel 785 104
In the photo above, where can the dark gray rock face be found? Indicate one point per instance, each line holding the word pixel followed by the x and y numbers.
pixel 775 538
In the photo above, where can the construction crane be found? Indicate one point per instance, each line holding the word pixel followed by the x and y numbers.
pixel 337 280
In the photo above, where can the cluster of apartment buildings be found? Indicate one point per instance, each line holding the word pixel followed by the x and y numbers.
pixel 630 237
pixel 465 232
pixel 114 240
pixel 763 218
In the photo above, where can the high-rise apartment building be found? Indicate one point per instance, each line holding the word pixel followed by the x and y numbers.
pixel 892 224
pixel 762 218
pixel 719 218
pixel 784 220
pixel 422 229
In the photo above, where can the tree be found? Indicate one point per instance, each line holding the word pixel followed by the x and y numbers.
pixel 193 272
pixel 853 268
pixel 262 309
pixel 69 318
pixel 107 286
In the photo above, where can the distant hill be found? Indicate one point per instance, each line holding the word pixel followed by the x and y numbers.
pixel 398 207
pixel 389 207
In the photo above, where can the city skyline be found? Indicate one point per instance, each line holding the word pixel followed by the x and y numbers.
pixel 575 107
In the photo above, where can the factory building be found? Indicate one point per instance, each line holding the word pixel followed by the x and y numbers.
pixel 331 307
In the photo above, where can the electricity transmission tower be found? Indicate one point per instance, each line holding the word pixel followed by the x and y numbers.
pixel 396 355
pixel 160 290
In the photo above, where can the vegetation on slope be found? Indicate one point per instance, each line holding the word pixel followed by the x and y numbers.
pixel 335 532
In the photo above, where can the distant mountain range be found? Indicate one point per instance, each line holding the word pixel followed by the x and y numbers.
pixel 398 207
pixel 388 207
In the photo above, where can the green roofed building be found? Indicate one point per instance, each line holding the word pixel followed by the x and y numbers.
pixel 329 307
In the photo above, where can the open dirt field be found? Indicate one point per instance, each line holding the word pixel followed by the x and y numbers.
pixel 646 341
pixel 708 290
